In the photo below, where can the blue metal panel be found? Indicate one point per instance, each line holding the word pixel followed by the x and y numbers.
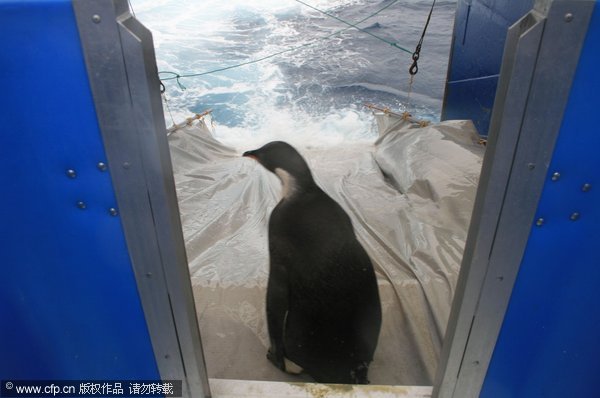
pixel 69 305
pixel 477 46
pixel 471 99
pixel 549 345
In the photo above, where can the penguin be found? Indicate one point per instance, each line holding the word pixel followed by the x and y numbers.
pixel 323 307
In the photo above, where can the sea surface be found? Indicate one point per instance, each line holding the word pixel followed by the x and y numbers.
pixel 314 92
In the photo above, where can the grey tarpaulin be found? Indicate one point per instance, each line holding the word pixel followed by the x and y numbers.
pixel 409 195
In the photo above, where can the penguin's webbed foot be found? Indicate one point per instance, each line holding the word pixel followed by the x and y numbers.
pixel 276 359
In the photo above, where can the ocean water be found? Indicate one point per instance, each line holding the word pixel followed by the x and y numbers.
pixel 313 95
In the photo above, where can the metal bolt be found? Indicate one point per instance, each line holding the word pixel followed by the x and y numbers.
pixel 126 165
pixel 113 212
pixel 96 18
pixel 102 166
pixel 586 187
pixel 568 17
pixel 71 173
pixel 531 166
pixel 555 176
pixel 540 221
pixel 81 205
pixel 574 216
pixel 149 274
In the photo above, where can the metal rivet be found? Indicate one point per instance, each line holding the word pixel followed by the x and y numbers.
pixel 540 221
pixel 149 274
pixel 112 211
pixel 96 18
pixel 167 356
pixel 568 17
pixel 126 165
pixel 476 363
pixel 574 216
pixel 81 205
pixel 71 173
pixel 102 166
pixel 555 176
pixel 500 278
pixel 531 166
pixel 586 187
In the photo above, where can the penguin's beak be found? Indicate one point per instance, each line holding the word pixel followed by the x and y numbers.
pixel 250 154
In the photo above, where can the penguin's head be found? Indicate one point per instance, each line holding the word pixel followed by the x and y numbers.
pixel 284 160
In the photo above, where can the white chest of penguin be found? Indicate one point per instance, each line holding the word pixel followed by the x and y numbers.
pixel 289 185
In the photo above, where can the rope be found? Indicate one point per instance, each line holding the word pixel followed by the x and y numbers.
pixel 414 68
pixel 177 76
pixel 411 80
pixel 404 115
pixel 164 96
pixel 188 122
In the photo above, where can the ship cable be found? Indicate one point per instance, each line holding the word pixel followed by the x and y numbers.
pixel 414 68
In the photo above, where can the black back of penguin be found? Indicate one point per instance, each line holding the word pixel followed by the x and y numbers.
pixel 323 307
